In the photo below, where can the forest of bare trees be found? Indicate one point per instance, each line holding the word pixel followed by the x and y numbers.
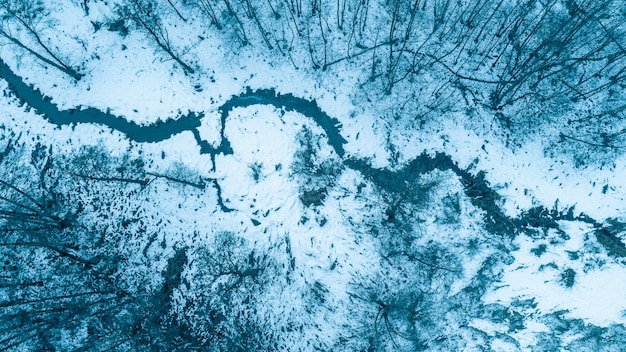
pixel 528 63
pixel 89 261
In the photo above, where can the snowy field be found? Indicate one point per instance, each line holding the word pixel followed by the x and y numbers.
pixel 446 233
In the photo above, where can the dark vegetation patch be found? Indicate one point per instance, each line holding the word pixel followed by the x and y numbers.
pixel 568 277
pixel 313 197
pixel 539 250
pixel 476 186
pixel 613 245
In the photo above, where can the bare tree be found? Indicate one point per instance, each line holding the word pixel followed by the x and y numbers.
pixel 63 269
pixel 227 286
pixel 20 24
pixel 145 14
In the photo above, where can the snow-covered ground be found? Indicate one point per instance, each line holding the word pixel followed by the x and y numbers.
pixel 337 244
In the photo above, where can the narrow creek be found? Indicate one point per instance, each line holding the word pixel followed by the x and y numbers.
pixel 475 185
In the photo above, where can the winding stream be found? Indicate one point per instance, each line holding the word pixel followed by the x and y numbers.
pixel 43 105
pixel 475 186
